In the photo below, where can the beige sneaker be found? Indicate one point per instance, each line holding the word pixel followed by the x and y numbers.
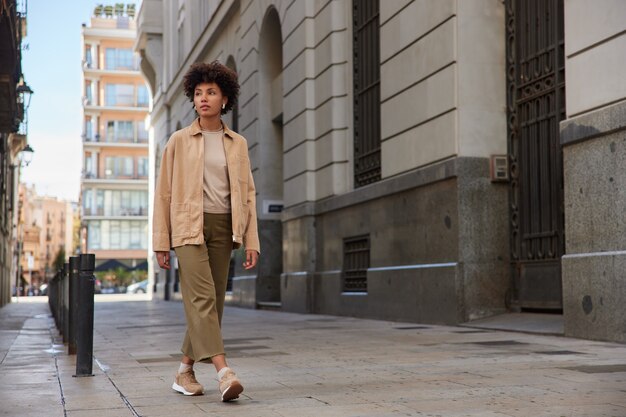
pixel 230 387
pixel 186 383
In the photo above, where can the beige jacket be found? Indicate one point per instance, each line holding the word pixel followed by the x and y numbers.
pixel 178 205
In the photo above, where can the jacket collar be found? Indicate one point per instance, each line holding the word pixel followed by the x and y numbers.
pixel 196 129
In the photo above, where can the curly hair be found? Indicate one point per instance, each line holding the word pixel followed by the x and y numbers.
pixel 214 72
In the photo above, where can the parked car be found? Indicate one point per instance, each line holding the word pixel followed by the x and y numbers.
pixel 138 287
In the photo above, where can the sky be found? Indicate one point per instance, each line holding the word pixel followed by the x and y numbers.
pixel 52 69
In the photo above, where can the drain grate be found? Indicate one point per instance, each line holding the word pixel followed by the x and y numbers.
pixel 560 352
pixel 411 327
pixel 498 343
pixel 599 369
pixel 470 331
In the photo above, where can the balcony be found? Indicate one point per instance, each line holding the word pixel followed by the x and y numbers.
pixel 92 179
pixel 137 213
pixel 96 141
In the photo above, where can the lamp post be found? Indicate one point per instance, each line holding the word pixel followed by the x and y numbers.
pixel 26 156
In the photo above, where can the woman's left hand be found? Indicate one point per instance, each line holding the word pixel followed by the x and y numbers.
pixel 252 257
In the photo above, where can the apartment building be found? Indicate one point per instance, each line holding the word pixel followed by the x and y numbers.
pixel 45 228
pixel 114 186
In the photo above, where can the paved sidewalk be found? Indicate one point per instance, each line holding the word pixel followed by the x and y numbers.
pixel 305 366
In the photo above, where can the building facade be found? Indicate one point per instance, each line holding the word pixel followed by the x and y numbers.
pixel 407 154
pixel 13 136
pixel 114 186
pixel 593 139
pixel 46 230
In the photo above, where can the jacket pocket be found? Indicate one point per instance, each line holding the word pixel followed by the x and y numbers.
pixel 179 218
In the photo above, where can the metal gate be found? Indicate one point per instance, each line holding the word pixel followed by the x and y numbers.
pixel 535 106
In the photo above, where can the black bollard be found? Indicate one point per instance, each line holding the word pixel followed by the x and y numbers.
pixel 84 329
pixel 74 265
pixel 66 303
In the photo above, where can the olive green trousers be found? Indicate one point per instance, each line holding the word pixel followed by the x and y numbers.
pixel 203 271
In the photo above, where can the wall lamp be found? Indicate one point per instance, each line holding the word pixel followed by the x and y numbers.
pixel 26 156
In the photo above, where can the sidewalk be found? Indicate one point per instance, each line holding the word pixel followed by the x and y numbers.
pixel 305 366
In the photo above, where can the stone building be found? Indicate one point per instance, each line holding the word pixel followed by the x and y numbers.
pixel 14 101
pixel 407 154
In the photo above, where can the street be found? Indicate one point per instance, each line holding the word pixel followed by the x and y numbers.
pixel 305 365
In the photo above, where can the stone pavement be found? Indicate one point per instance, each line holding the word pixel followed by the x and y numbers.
pixel 305 366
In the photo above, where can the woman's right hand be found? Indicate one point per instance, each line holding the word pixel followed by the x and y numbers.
pixel 163 258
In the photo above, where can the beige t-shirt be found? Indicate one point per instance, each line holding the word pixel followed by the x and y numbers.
pixel 216 184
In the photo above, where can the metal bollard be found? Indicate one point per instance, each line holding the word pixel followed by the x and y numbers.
pixel 74 266
pixel 84 329
pixel 66 303
pixel 51 295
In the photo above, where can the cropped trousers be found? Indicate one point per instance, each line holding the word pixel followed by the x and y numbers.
pixel 203 271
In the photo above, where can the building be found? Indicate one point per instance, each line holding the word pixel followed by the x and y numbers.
pixel 408 156
pixel 46 230
pixel 14 101
pixel 114 186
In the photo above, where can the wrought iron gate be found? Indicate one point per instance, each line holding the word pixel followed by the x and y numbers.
pixel 535 106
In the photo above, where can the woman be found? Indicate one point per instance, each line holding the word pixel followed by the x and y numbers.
pixel 205 206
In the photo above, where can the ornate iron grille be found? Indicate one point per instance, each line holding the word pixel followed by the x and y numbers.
pixel 536 105
pixel 356 260
pixel 366 50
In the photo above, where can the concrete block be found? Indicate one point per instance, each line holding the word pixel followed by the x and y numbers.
pixel 422 295
pixel 594 295
pixel 595 194
pixel 296 292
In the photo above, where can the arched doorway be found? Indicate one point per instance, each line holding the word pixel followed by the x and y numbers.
pixel 269 157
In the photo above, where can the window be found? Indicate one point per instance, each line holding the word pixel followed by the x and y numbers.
pixel 120 131
pixel 93 235
pixel 87 201
pixel 88 129
pixel 100 202
pixel 119 59
pixel 120 95
pixel 366 72
pixel 142 133
pixel 142 96
pixel 142 167
pixel 356 261
pixel 88 58
pixel 118 234
pixel 88 94
pixel 125 203
pixel 118 166
pixel 89 168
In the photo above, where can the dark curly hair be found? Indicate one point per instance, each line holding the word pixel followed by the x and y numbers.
pixel 217 73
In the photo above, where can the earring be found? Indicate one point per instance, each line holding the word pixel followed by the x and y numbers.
pixel 223 106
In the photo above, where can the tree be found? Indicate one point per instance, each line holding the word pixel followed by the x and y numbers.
pixel 59 259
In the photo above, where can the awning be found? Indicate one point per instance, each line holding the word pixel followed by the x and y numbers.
pixel 110 264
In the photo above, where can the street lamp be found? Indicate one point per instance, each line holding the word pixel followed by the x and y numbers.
pixel 25 92
pixel 26 155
